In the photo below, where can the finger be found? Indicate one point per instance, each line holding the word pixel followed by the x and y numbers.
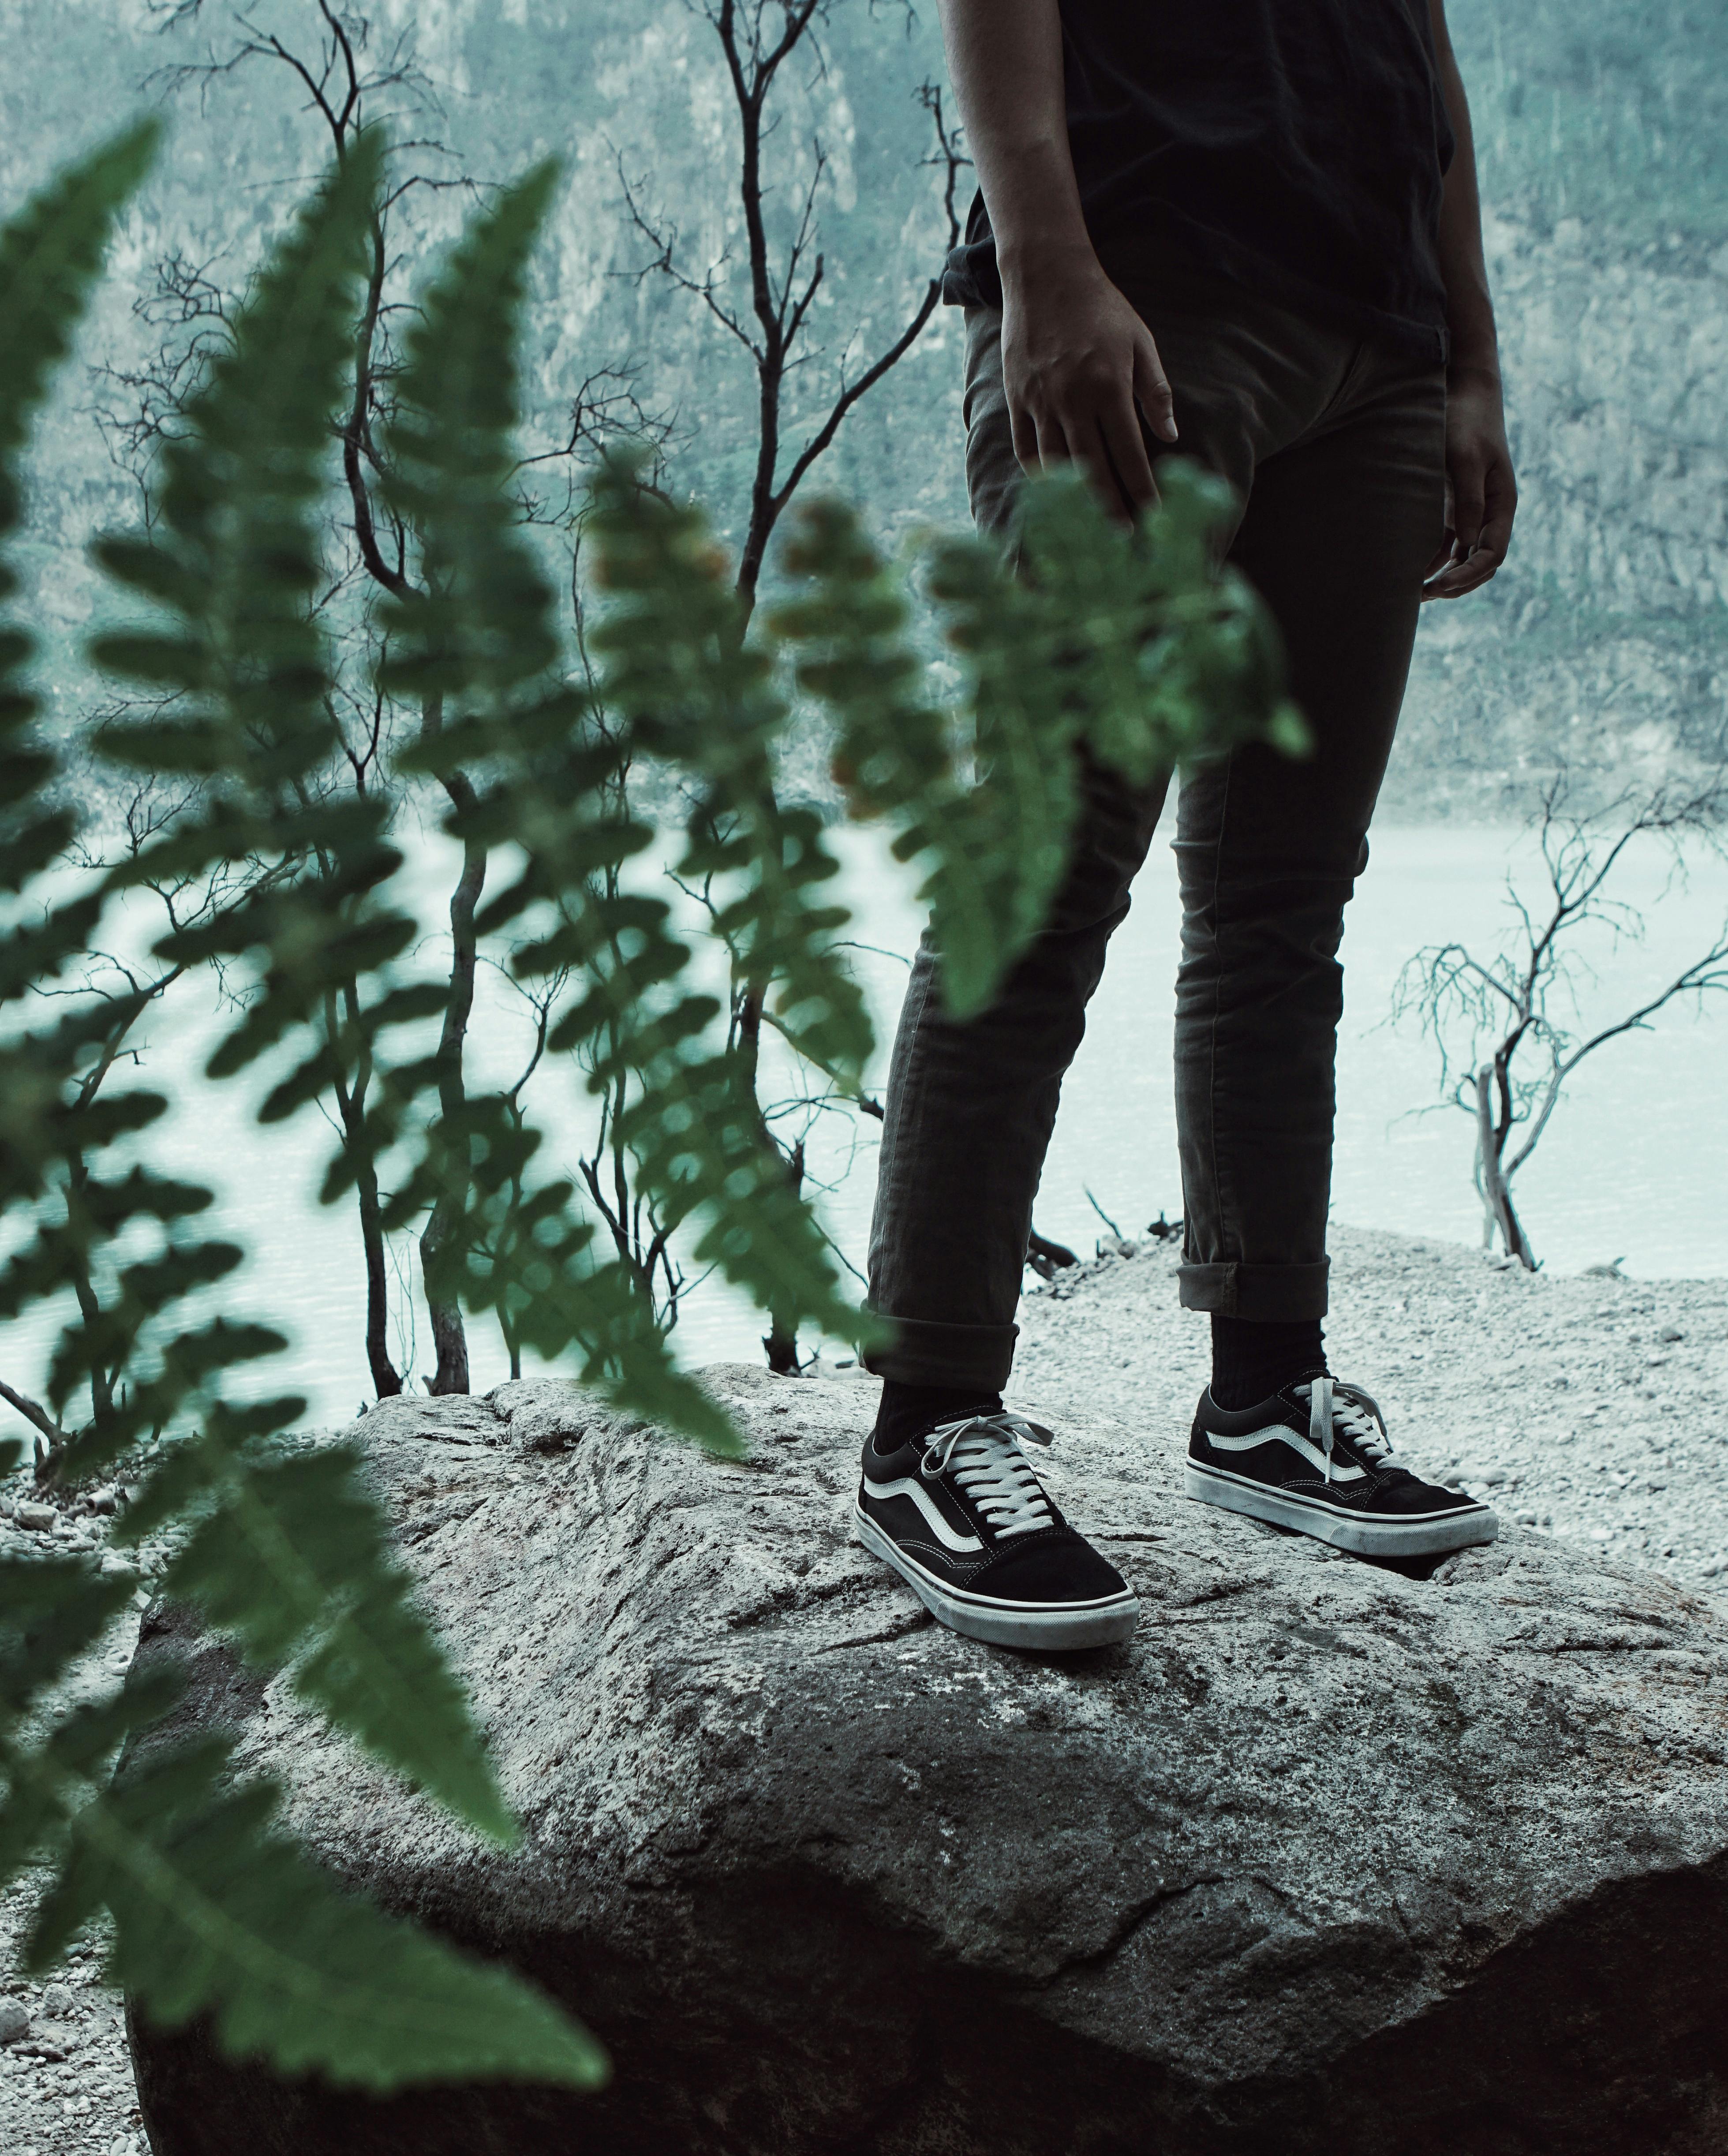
pixel 1442 556
pixel 1500 507
pixel 1461 577
pixel 1025 431
pixel 1086 441
pixel 1496 539
pixel 1468 501
pixel 1052 443
pixel 1151 386
pixel 1125 446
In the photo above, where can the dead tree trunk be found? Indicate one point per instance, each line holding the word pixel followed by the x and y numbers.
pixel 1495 1195
pixel 449 1338
pixel 351 1113
pixel 780 1341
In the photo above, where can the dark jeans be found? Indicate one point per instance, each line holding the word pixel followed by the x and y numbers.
pixel 1334 444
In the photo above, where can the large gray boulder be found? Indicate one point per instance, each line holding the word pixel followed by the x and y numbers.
pixel 1327 1859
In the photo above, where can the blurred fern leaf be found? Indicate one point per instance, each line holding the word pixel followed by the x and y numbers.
pixel 1140 655
pixel 285 1552
pixel 288 1555
pixel 214 1912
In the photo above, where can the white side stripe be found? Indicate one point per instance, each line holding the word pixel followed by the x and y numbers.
pixel 907 1486
pixel 1342 1472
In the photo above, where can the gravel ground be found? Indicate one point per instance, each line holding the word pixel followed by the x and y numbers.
pixel 66 2084
pixel 1590 1407
pixel 65 2077
pixel 1587 1406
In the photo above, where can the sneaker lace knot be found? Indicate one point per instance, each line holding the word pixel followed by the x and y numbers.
pixel 983 1453
pixel 1332 1407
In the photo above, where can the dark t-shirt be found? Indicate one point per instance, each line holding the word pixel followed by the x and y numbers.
pixel 1297 144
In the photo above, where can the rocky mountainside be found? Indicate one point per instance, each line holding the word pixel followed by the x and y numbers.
pixel 1600 137
pixel 1604 641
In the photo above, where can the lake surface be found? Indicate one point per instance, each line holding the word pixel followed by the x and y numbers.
pixel 1634 1165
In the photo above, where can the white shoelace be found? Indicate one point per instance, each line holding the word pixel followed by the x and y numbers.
pixel 1332 1407
pixel 984 1456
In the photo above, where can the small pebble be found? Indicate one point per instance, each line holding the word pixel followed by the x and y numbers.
pixel 14 2021
pixel 42 1517
pixel 59 2000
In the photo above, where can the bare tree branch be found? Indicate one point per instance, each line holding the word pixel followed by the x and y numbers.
pixel 1484 1014
pixel 33 1412
pixel 783 288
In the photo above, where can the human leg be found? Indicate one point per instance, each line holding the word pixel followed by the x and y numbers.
pixel 946 1494
pixel 1337 530
pixel 1335 537
pixel 971 1104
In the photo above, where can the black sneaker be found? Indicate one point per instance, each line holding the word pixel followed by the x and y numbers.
pixel 1316 1457
pixel 961 1517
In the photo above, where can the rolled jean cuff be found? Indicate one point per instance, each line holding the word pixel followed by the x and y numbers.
pixel 921 1354
pixel 1270 1292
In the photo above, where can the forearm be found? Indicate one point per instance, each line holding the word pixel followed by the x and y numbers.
pixel 1005 59
pixel 1080 369
pixel 1469 308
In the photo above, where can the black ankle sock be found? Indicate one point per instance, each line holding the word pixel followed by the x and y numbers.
pixel 907 1411
pixel 1252 1357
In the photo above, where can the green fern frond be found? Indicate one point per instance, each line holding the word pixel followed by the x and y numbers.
pixel 692 1126
pixel 1171 653
pixel 479 622
pixel 1014 829
pixel 235 551
pixel 685 689
pixel 1141 650
pixel 289 1557
pixel 698 696
pixel 49 257
pixel 476 637
pixel 473 642
pixel 538 1262
pixel 50 254
pixel 214 1913
pixel 991 856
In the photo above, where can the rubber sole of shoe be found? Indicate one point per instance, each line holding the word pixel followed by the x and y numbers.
pixel 1044 1629
pixel 1418 1537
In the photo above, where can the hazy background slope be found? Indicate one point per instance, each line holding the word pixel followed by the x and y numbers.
pixel 1603 142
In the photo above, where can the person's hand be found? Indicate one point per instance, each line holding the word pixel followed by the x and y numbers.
pixel 1481 494
pixel 1076 357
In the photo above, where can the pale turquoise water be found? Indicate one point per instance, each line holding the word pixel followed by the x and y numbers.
pixel 1635 1164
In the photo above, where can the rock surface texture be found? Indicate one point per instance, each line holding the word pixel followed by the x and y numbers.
pixel 1327 1859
